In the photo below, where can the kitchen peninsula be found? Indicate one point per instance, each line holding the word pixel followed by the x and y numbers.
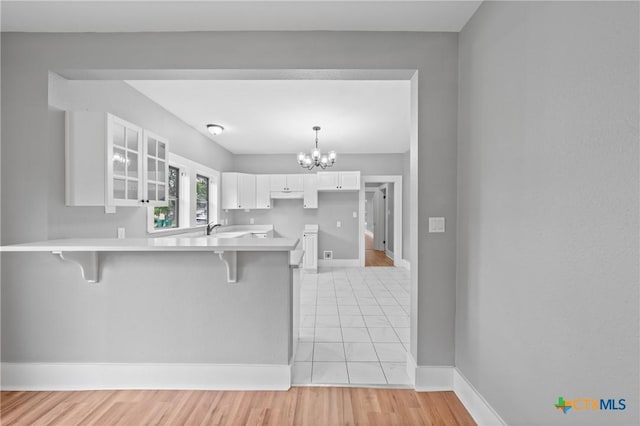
pixel 170 312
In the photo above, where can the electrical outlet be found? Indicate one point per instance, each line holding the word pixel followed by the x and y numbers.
pixel 339 224
pixel 121 233
pixel 251 221
pixel 355 214
pixel 328 254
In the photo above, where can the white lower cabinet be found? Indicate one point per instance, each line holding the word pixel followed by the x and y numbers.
pixel 310 247
pixel 238 191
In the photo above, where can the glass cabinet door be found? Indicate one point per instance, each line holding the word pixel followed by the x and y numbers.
pixel 157 169
pixel 124 172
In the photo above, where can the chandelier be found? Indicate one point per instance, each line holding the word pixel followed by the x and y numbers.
pixel 316 158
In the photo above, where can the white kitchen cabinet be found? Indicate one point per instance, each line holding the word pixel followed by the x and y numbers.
pixel 157 170
pixel 287 183
pixel 107 162
pixel 310 186
pixel 238 191
pixel 263 191
pixel 310 247
pixel 338 181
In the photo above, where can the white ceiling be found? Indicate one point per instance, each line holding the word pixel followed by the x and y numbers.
pixel 276 116
pixel 238 15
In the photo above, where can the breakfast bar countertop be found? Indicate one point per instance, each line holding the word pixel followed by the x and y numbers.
pixel 177 243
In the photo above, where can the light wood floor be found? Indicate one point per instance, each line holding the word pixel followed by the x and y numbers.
pixel 374 257
pixel 297 406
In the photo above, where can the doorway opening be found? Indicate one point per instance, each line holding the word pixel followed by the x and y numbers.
pixel 381 221
pixel 378 235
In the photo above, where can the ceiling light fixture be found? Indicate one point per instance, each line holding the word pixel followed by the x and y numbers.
pixel 215 129
pixel 316 158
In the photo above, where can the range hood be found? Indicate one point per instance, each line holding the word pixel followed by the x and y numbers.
pixel 286 194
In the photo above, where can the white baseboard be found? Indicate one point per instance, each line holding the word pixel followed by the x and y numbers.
pixel 429 378
pixel 62 376
pixel 434 378
pixel 343 263
pixel 445 378
pixel 389 254
pixel 473 401
pixel 403 263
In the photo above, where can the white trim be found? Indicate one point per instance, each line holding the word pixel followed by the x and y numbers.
pixel 389 254
pixel 476 405
pixel 404 263
pixel 343 263
pixel 446 378
pixel 411 369
pixel 85 376
pixel 429 378
pixel 434 378
pixel 397 215
pixel 189 169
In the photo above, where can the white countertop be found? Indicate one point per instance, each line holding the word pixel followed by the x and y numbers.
pixel 177 243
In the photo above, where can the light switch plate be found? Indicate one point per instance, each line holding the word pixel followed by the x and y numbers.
pixel 339 224
pixel 121 233
pixel 436 224
pixel 355 214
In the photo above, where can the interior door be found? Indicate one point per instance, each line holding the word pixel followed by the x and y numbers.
pixel 378 220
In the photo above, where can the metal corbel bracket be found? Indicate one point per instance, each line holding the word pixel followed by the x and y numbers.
pixel 87 260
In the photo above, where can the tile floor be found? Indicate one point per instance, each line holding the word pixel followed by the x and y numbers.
pixel 354 327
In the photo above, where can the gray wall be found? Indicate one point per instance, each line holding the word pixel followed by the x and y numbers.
pixel 368 164
pixel 547 291
pixel 122 100
pixel 289 217
pixel 29 160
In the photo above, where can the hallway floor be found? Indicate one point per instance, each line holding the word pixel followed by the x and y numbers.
pixel 354 327
pixel 373 257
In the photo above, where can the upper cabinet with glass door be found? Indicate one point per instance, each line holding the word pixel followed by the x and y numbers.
pixel 157 168
pixel 111 162
pixel 124 178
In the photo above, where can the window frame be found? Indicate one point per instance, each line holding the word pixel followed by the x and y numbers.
pixel 189 169
pixel 198 175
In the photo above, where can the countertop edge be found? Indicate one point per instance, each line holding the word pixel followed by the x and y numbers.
pixel 145 245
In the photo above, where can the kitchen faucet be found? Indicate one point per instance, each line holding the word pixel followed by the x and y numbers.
pixel 211 226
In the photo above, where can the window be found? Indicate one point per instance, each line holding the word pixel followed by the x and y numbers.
pixel 168 217
pixel 193 197
pixel 202 200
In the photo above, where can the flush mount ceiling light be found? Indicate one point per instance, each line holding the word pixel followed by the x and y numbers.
pixel 215 129
pixel 316 158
